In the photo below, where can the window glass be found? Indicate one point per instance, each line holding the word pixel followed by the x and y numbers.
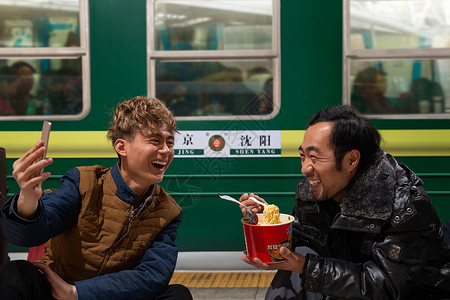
pixel 401 86
pixel 213 25
pixel 204 88
pixel 399 24
pixel 40 87
pixel 39 23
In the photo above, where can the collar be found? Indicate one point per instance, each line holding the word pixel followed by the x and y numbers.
pixel 371 194
pixel 124 192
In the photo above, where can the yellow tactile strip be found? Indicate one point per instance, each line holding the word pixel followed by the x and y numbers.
pixel 222 279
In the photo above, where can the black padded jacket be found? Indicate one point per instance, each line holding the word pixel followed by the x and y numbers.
pixel 384 241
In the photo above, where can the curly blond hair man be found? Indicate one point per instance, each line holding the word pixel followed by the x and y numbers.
pixel 109 232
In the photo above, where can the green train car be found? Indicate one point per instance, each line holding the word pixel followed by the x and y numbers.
pixel 242 78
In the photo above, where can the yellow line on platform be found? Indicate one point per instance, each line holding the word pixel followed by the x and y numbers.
pixel 222 279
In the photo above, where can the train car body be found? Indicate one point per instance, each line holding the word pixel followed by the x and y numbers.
pixel 262 152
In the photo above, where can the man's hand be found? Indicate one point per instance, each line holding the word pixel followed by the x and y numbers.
pixel 255 207
pixel 294 262
pixel 26 172
pixel 61 290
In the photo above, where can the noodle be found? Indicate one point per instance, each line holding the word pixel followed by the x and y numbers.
pixel 271 215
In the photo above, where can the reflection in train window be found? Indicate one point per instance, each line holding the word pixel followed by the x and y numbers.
pixel 399 24
pixel 390 87
pixel 213 25
pixel 216 58
pixel 41 87
pixel 216 87
pixel 39 24
pixel 397 58
pixel 44 60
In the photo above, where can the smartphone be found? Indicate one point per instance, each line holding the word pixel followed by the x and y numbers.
pixel 45 135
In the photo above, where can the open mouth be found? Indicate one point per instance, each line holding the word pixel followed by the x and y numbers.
pixel 314 182
pixel 159 164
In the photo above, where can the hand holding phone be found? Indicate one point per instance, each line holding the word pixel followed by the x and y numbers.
pixel 28 199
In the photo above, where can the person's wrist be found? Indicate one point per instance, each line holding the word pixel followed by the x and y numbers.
pixel 301 265
pixel 26 209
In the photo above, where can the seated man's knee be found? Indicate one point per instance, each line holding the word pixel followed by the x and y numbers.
pixel 20 279
pixel 176 291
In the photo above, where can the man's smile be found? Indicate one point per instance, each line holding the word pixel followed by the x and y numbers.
pixel 160 164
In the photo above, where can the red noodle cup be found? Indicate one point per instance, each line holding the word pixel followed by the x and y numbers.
pixel 265 241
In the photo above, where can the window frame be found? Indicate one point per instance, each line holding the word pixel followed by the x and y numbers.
pixel 83 52
pixel 383 54
pixel 208 55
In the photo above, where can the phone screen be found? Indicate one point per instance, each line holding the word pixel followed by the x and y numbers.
pixel 45 135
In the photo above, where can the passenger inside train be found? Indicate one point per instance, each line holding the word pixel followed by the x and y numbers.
pixel 368 94
pixel 212 89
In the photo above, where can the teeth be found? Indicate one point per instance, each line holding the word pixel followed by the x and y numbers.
pixel 163 163
pixel 314 182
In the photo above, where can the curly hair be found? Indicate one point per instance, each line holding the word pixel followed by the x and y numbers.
pixel 139 114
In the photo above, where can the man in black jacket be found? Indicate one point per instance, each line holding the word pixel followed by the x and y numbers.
pixel 367 224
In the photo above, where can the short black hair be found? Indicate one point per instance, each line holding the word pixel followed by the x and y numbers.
pixel 350 131
pixel 19 64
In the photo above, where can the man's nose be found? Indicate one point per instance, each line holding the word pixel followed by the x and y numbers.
pixel 307 168
pixel 164 148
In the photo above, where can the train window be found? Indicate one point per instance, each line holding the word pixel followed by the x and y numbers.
pixel 215 87
pixel 44 60
pixel 215 59
pixel 397 58
pixel 56 91
pixel 213 25
pixel 33 24
pixel 406 24
pixel 375 91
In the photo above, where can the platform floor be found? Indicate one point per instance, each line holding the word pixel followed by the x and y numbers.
pixel 215 275
pixel 220 276
pixel 225 285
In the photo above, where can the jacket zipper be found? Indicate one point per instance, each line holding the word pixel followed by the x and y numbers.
pixel 132 215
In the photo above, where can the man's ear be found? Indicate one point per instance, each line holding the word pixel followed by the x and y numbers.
pixel 353 159
pixel 120 147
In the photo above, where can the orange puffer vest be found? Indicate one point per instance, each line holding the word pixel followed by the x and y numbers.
pixel 108 236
